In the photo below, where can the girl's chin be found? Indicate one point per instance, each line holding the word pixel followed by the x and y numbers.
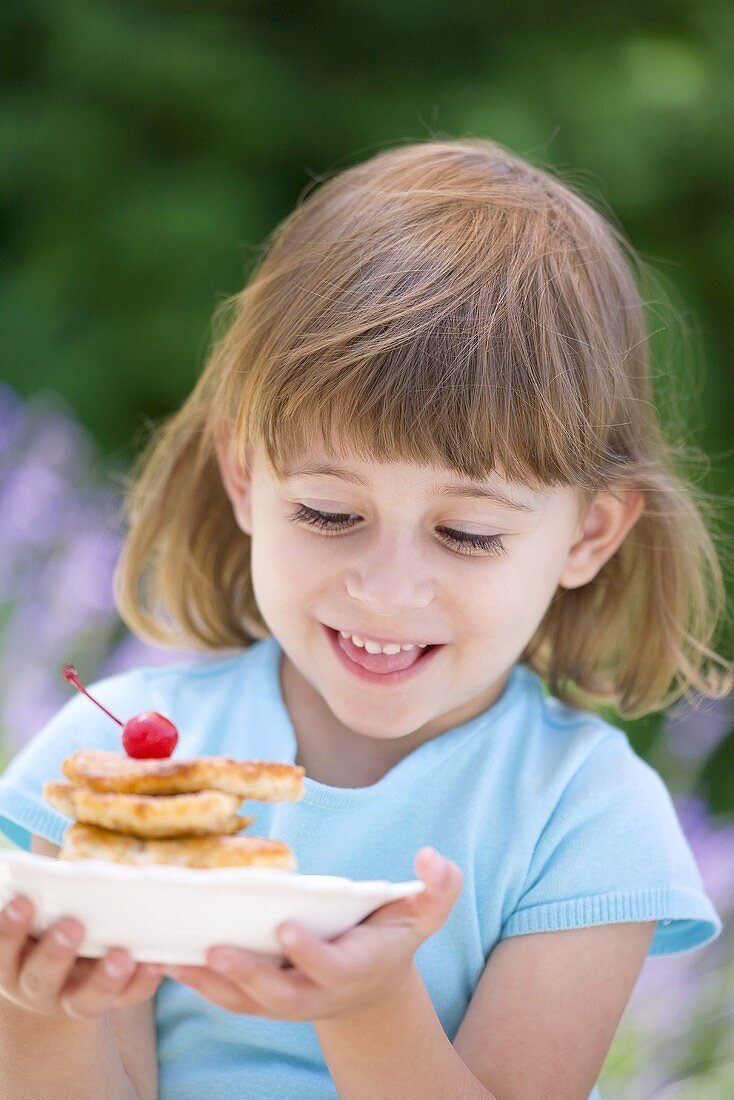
pixel 375 733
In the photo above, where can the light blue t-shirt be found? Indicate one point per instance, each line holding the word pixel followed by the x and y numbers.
pixel 552 817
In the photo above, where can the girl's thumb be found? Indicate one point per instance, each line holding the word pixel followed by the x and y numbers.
pixel 444 881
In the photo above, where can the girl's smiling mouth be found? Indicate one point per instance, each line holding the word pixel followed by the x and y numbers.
pixel 379 668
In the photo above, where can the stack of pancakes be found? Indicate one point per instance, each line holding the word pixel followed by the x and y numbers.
pixel 145 811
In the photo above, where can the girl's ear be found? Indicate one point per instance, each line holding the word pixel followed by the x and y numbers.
pixel 604 527
pixel 236 479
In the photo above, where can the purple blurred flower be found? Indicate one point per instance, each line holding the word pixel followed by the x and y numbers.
pixel 33 504
pixel 60 541
pixel 673 991
pixel 712 843
pixel 83 573
pixel 60 444
pixel 30 698
pixel 134 653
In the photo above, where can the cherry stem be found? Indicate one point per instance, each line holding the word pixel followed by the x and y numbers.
pixel 71 675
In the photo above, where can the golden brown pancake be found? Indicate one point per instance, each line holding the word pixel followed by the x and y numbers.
pixel 203 813
pixel 114 772
pixel 90 842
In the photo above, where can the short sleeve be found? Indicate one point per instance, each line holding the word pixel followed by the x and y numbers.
pixel 79 724
pixel 613 850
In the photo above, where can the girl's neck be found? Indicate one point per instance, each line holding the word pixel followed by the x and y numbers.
pixel 337 756
pixel 330 752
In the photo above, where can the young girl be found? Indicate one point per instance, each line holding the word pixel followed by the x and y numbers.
pixel 420 509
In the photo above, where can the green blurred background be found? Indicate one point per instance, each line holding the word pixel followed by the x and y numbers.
pixel 146 150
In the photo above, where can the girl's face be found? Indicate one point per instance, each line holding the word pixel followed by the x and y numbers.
pixel 415 555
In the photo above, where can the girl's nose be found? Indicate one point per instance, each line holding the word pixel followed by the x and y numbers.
pixel 390 579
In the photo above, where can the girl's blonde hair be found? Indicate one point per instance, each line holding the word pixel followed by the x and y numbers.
pixel 444 303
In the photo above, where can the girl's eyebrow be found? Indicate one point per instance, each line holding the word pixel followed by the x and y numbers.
pixel 316 469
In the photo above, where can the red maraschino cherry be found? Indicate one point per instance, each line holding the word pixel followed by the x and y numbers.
pixel 146 735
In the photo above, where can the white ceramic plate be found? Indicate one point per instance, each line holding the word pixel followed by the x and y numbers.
pixel 173 914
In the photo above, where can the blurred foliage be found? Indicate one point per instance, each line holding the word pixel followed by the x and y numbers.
pixel 148 149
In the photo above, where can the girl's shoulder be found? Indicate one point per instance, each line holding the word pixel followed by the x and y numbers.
pixel 567 755
pixel 195 681
pixel 547 727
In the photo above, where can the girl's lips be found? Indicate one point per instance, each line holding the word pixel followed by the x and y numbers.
pixel 342 646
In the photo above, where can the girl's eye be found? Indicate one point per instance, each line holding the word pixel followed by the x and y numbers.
pixel 463 542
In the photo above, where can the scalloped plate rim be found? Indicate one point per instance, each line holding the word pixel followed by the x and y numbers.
pixel 234 876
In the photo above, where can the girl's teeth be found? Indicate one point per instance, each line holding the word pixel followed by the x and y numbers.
pixel 373 647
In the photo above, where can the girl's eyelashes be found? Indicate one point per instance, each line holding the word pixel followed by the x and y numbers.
pixel 462 542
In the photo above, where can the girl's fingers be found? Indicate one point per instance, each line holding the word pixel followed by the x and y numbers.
pixel 424 913
pixel 262 977
pixel 47 976
pixel 324 963
pixel 214 987
pixel 393 929
pixel 15 926
pixel 98 990
pixel 444 881
pixel 48 963
pixel 238 979
pixel 141 987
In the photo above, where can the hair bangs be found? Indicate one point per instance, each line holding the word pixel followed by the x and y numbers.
pixel 472 329
pixel 470 392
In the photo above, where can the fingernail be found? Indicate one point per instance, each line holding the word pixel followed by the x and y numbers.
pixel 15 912
pixel 439 866
pixel 116 967
pixel 223 962
pixel 65 937
pixel 289 936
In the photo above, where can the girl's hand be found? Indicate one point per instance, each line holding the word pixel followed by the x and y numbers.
pixel 46 976
pixel 321 978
